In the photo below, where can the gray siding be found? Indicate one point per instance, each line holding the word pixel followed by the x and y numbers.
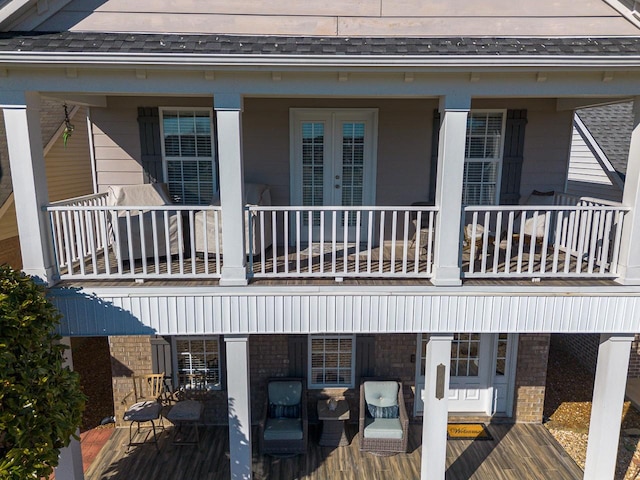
pixel 332 17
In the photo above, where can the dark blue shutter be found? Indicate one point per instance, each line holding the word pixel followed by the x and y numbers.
pixel 365 357
pixel 150 144
pixel 298 355
pixel 513 157
pixel 435 136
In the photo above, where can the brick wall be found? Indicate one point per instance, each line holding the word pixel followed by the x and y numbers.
pixel 634 360
pixel 583 346
pixel 531 376
pixel 10 252
pixel 130 355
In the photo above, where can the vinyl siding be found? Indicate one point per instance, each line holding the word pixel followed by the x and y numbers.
pixel 404 143
pixel 586 176
pixel 356 17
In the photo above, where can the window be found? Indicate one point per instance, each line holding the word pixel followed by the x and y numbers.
pixel 188 154
pixel 332 361
pixel 197 361
pixel 465 354
pixel 501 354
pixel 483 158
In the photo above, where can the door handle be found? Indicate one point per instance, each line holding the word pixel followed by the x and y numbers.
pixel 337 186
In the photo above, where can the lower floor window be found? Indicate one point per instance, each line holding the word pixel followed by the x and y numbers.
pixel 197 361
pixel 332 361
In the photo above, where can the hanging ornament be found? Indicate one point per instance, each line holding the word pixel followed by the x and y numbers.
pixel 68 126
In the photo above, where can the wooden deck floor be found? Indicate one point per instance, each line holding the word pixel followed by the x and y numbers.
pixel 516 452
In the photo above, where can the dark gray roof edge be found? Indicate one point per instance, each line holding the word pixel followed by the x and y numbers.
pixel 105 42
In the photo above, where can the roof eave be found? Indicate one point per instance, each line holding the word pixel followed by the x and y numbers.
pixel 180 61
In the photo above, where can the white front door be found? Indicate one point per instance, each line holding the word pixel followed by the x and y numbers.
pixel 333 162
pixel 482 373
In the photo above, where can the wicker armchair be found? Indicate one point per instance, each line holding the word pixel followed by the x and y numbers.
pixel 284 427
pixel 383 423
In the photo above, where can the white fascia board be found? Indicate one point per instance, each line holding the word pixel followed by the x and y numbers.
pixel 614 290
pixel 564 62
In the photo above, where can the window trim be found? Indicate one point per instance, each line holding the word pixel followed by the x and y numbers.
pixel 174 360
pixel 500 160
pixel 313 385
pixel 214 150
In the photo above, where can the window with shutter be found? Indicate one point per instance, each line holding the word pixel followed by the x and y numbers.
pixel 483 157
pixel 331 361
pixel 188 154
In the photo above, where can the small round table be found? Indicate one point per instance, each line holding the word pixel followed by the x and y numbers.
pixel 333 432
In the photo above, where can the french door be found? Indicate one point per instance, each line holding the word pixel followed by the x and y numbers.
pixel 482 372
pixel 333 163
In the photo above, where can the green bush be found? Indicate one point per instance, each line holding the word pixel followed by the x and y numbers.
pixel 40 400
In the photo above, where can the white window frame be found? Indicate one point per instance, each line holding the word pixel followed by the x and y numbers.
pixel 352 379
pixel 498 160
pixel 212 158
pixel 176 370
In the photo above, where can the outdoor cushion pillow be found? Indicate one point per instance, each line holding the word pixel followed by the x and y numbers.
pixel 383 412
pixel 284 411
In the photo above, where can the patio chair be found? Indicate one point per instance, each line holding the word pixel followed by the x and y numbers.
pixel 206 231
pixel 151 195
pixel 383 421
pixel 284 425
pixel 534 226
pixel 147 392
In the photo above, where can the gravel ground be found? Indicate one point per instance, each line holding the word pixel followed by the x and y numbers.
pixel 568 408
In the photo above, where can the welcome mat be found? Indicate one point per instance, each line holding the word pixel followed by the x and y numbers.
pixel 468 431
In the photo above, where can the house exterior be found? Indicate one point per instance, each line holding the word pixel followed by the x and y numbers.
pixel 345 198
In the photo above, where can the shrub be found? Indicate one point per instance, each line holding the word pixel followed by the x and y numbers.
pixel 40 400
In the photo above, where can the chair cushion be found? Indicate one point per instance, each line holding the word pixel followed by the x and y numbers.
pixel 390 428
pixel 383 412
pixel 283 429
pixel 185 410
pixel 284 411
pixel 287 392
pixel 143 412
pixel 381 394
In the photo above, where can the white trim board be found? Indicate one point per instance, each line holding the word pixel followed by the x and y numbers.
pixel 260 312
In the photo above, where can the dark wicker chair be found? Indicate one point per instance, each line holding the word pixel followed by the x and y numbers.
pixel 284 427
pixel 383 445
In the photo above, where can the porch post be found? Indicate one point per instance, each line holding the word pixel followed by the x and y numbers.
pixel 228 109
pixel 26 158
pixel 239 405
pixel 629 264
pixel 606 412
pixel 436 407
pixel 454 110
pixel 70 458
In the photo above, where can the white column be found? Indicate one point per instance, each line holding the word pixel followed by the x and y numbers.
pixel 229 116
pixel 606 411
pixel 629 265
pixel 239 399
pixel 70 459
pixel 26 158
pixel 436 407
pixel 453 130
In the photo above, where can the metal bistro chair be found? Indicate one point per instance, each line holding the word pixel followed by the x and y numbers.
pixel 147 392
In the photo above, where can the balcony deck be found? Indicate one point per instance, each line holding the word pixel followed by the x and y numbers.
pixel 516 452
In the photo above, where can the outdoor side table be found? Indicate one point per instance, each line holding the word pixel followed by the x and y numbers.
pixel 184 412
pixel 333 423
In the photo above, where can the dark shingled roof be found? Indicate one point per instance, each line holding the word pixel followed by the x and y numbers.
pixel 611 126
pixel 90 42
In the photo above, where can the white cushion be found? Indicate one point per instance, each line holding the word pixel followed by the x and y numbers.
pixel 381 394
pixel 390 428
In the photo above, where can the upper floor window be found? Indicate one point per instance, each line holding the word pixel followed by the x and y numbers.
pixel 197 363
pixel 483 157
pixel 188 154
pixel 332 361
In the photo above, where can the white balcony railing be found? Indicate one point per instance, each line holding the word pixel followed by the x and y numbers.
pixel 93 240
pixel 342 242
pixel 580 240
pixel 577 238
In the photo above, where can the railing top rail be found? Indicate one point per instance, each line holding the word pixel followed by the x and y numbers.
pixel 81 198
pixel 550 208
pixel 120 208
pixel 600 201
pixel 339 208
